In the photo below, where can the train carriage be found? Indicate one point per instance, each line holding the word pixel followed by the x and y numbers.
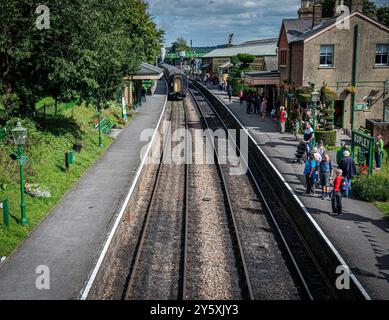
pixel 177 81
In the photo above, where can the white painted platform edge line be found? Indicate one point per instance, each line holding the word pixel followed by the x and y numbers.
pixel 119 218
pixel 319 229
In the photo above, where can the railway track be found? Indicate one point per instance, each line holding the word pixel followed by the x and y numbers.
pixel 263 257
pixel 309 280
pixel 156 270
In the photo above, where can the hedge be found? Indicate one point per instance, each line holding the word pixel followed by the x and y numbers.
pixel 375 188
pixel 328 137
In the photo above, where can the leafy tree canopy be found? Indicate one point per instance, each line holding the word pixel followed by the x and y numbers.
pixel 180 45
pixel 88 49
pixel 246 59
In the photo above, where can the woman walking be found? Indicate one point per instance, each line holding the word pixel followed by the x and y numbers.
pixel 379 152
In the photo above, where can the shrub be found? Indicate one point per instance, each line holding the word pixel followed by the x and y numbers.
pixel 328 137
pixel 375 188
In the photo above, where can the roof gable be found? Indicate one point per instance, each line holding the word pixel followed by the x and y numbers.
pixel 329 24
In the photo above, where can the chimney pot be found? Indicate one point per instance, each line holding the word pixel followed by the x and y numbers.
pixel 317 14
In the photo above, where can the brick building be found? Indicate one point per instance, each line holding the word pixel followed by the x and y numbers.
pixel 347 51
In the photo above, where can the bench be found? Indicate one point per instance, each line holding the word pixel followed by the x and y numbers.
pixel 106 125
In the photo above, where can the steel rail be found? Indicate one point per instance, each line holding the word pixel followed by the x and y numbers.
pixel 183 295
pixel 279 232
pixel 242 261
pixel 143 233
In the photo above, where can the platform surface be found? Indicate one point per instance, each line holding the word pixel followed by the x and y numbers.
pixel 70 239
pixel 361 234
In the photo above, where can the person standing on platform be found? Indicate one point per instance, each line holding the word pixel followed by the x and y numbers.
pixel 325 174
pixel 309 136
pixel 339 154
pixel 337 193
pixel 264 108
pixel 310 174
pixel 249 101
pixel 241 97
pixel 379 152
pixel 229 92
pixel 256 103
pixel 283 118
pixel 349 169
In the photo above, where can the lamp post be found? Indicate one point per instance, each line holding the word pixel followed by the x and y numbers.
pixel 242 76
pixel 315 98
pixel 19 135
pixel 99 122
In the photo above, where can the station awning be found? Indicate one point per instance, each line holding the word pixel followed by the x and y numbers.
pixel 226 65
pixel 262 78
pixel 147 72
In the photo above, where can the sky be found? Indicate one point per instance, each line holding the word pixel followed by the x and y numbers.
pixel 208 22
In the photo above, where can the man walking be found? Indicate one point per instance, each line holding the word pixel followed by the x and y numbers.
pixel 257 103
pixel 337 193
pixel 283 117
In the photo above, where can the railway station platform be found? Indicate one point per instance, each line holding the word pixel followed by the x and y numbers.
pixel 361 234
pixel 69 241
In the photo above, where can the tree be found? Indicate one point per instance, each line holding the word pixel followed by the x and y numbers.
pixel 369 7
pixel 246 59
pixel 90 47
pixel 383 15
pixel 180 45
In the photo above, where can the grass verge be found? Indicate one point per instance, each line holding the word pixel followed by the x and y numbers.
pixel 48 140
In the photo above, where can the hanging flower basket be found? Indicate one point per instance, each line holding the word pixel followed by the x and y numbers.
pixel 350 90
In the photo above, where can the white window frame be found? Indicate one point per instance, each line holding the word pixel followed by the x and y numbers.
pixel 382 53
pixel 327 55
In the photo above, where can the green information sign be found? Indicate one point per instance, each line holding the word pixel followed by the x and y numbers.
pixel 360 106
pixel 365 143
pixel 23 160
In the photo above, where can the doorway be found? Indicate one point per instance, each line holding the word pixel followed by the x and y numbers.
pixel 339 114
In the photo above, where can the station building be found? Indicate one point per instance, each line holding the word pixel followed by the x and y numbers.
pixel 219 60
pixel 348 51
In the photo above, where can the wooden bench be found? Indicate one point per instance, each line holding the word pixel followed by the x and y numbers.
pixel 106 126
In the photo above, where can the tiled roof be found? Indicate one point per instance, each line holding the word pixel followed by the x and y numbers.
pixel 296 27
pixel 256 50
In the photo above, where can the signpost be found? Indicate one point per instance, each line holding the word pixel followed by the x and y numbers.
pixel 365 143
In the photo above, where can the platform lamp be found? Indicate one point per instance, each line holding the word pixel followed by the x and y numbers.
pixel 19 135
pixel 315 98
pixel 242 76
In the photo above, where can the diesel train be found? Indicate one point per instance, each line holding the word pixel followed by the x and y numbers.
pixel 177 81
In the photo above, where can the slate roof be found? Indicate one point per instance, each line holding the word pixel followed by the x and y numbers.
pixel 256 50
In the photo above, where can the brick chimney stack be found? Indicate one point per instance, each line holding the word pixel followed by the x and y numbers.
pixel 317 14
pixel 356 5
pixel 306 9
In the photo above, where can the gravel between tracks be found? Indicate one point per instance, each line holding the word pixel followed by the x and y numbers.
pixel 267 266
pixel 212 273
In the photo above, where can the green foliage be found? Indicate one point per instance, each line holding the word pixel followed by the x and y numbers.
pixel 46 145
pixel 235 60
pixel 328 137
pixel 180 45
pixel 90 46
pixel 328 95
pixel 375 188
pixel 246 59
pixel 383 15
pixel 303 94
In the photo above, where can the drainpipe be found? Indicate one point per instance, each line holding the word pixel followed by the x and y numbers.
pixel 355 73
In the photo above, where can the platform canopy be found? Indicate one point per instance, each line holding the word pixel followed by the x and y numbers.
pixel 147 72
pixel 262 78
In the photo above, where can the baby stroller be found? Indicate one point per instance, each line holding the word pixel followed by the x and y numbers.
pixel 301 154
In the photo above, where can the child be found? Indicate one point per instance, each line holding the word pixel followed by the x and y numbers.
pixel 337 193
